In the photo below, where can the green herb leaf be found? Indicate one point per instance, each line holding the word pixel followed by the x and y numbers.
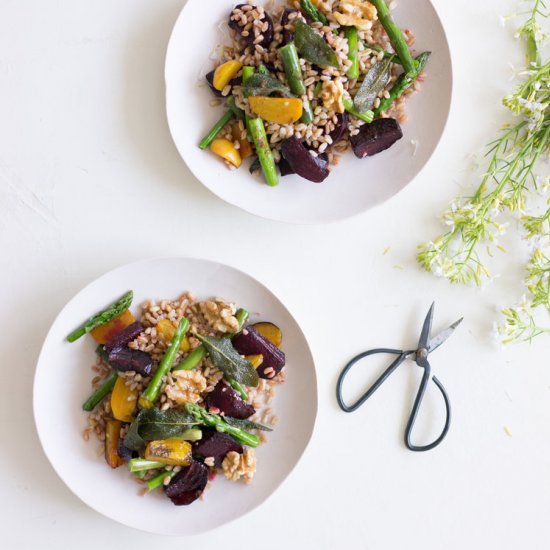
pixel 313 47
pixel 227 359
pixel 375 81
pixel 151 424
pixel 244 424
pixel 265 85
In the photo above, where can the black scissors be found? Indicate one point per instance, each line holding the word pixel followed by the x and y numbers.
pixel 426 344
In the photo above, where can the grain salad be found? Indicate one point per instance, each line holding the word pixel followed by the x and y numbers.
pixel 182 391
pixel 306 81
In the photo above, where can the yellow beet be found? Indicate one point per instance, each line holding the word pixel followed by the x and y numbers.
pixel 112 437
pixel 123 401
pixel 226 150
pixel 103 333
pixel 271 332
pixel 255 360
pixel 169 451
pixel 224 73
pixel 167 330
pixel 280 110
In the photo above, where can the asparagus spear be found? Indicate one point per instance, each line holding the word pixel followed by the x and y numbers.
pixel 142 465
pixel 192 360
pixel 395 35
pixel 293 71
pixel 96 397
pixel 158 480
pixel 367 116
pixel 216 421
pixel 405 81
pixel 353 54
pixel 150 394
pixel 262 69
pixel 103 317
pixel 313 12
pixel 216 129
pixel 256 129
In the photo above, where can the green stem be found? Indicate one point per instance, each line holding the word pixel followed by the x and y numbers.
pixel 158 480
pixel 313 12
pixel 193 359
pixel 101 392
pixel 148 397
pixel 216 129
pixel 142 465
pixel 367 116
pixel 352 36
pixel 293 71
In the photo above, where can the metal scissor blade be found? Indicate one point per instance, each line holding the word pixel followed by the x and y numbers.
pixel 426 329
pixel 436 341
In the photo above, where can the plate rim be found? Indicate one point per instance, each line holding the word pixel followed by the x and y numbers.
pixel 331 220
pixel 35 391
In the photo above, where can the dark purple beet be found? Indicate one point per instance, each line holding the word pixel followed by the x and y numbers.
pixel 268 35
pixel 228 401
pixel 125 359
pixel 376 137
pixel 288 35
pixel 124 337
pixel 216 445
pixel 305 165
pixel 341 127
pixel 188 484
pixel 286 169
pixel 250 342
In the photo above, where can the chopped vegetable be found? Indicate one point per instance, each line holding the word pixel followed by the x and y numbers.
pixel 313 12
pixel 263 85
pixel 216 129
pixel 192 360
pixel 126 359
pixel 245 149
pixel 108 331
pixel 216 445
pixel 112 437
pixel 373 84
pixel 236 23
pixel 279 110
pixel 228 360
pixel 101 392
pixel 188 484
pixel 167 330
pixel 174 452
pixel 396 36
pixel 288 35
pixel 123 401
pixel 270 331
pixel 103 317
pixel 221 424
pixel 255 360
pixel 353 52
pixel 368 116
pixel 149 396
pixel 227 401
pixel 376 137
pixel 142 465
pixel 265 155
pixel 125 336
pixel 313 47
pixel 225 72
pixel 303 163
pixel 158 480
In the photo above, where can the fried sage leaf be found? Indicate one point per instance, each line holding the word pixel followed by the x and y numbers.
pixel 313 47
pixel 375 81
pixel 245 424
pixel 265 85
pixel 227 359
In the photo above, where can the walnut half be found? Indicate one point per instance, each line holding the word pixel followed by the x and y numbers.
pixel 355 13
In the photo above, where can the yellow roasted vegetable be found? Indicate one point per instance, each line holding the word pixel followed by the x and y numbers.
pixel 280 110
pixel 123 401
pixel 270 331
pixel 167 330
pixel 226 150
pixel 103 333
pixel 255 360
pixel 175 452
pixel 224 73
pixel 112 437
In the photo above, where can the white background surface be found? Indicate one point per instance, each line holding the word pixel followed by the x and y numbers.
pixel 89 180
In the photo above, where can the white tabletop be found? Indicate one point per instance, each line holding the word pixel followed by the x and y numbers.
pixel 89 180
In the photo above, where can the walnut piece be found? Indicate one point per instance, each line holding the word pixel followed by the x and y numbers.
pixel 220 315
pixel 185 386
pixel 355 13
pixel 332 94
pixel 235 465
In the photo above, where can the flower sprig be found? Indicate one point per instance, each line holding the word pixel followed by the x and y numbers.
pixel 475 223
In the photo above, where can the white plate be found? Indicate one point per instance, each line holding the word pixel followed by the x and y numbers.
pixel 62 384
pixel 355 185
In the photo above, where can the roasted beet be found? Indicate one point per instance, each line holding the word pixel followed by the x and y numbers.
pixel 236 23
pixel 188 484
pixel 228 401
pixel 237 81
pixel 341 126
pixel 288 35
pixel 216 445
pixel 302 162
pixel 250 342
pixel 285 168
pixel 124 337
pixel 125 359
pixel 124 452
pixel 376 137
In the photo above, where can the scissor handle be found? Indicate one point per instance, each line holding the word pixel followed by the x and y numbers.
pixel 402 355
pixel 414 413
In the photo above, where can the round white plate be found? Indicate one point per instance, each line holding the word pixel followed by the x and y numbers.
pixel 62 384
pixel 354 185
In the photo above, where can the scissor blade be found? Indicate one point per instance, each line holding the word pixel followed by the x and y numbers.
pixel 426 329
pixel 436 341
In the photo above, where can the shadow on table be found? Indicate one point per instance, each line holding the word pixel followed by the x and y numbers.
pixel 143 101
